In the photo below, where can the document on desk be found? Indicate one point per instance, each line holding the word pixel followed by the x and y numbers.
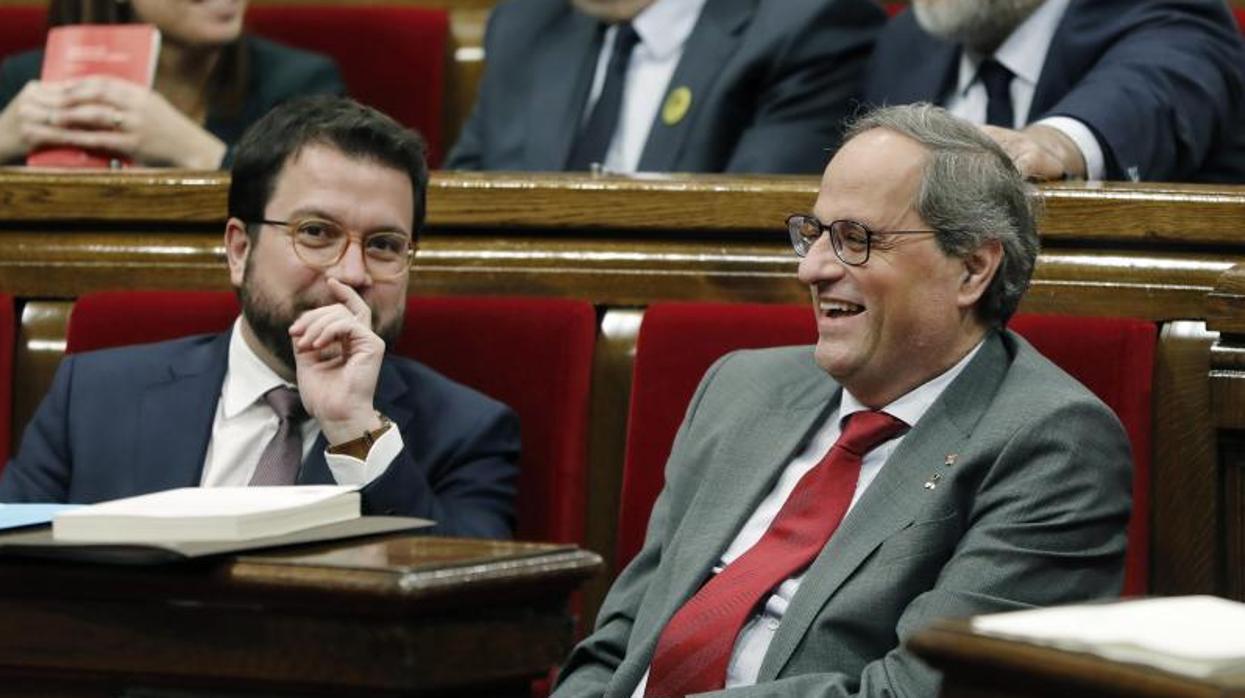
pixel 22 515
pixel 1198 636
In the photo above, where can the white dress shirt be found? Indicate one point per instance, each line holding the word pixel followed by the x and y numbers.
pixel 663 28
pixel 758 632
pixel 244 424
pixel 1024 53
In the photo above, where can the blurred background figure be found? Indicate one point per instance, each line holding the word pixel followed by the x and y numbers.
pixel 1101 89
pixel 666 85
pixel 212 81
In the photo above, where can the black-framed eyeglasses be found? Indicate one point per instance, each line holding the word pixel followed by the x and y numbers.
pixel 321 243
pixel 850 240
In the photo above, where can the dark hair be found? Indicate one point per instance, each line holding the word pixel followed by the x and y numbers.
pixel 226 87
pixel 970 193
pixel 340 122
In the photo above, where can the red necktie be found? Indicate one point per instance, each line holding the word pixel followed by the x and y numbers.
pixel 694 649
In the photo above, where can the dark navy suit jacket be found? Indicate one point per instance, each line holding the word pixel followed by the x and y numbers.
pixel 1160 82
pixel 127 421
pixel 770 82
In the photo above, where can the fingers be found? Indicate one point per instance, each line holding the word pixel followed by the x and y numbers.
pixel 1032 157
pixel 107 91
pixel 351 299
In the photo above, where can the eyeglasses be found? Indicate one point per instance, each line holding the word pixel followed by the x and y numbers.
pixel 851 240
pixel 322 243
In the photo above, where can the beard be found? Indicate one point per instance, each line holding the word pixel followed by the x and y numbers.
pixel 270 322
pixel 980 25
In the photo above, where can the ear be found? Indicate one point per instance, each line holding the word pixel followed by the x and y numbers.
pixel 237 249
pixel 979 269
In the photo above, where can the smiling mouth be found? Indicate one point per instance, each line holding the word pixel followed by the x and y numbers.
pixel 839 309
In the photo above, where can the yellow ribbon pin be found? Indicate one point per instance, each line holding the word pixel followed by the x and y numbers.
pixel 677 103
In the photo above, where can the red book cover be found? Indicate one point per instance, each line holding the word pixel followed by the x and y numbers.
pixel 126 51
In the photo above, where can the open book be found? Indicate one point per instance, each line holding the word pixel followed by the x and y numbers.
pixel 1198 636
pixel 126 51
pixel 207 514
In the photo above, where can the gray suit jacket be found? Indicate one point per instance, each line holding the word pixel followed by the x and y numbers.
pixel 1032 513
pixel 770 84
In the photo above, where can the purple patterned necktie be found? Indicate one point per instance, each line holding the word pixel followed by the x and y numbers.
pixel 279 463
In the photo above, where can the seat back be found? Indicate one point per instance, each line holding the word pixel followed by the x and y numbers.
pixel 8 337
pixel 392 57
pixel 678 342
pixel 22 27
pixel 533 354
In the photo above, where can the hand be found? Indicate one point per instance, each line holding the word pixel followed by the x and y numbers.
pixel 32 120
pixel 338 358
pixel 118 116
pixel 1040 152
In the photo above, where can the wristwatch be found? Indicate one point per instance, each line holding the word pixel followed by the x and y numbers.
pixel 359 448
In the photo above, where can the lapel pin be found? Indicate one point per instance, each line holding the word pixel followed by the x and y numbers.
pixel 678 102
pixel 932 482
pixel 950 459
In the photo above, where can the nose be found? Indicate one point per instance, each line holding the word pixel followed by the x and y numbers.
pixel 352 269
pixel 821 264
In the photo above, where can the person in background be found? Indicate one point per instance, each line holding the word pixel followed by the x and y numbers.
pixel 326 199
pixel 666 85
pixel 921 461
pixel 212 81
pixel 1098 89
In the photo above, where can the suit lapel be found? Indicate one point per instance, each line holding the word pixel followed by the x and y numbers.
pixel 570 47
pixel 763 447
pixel 893 499
pixel 176 416
pixel 711 44
pixel 928 80
pixel 390 387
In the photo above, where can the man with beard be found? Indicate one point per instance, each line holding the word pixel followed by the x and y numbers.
pixel 325 202
pixel 823 503
pixel 1098 89
pixel 666 85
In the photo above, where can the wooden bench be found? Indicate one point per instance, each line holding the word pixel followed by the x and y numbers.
pixel 1162 253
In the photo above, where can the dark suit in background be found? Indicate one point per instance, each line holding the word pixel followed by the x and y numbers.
pixel 1161 83
pixel 275 73
pixel 132 420
pixel 1031 513
pixel 770 84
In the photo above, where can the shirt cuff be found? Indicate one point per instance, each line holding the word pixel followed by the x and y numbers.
pixel 352 471
pixel 1086 142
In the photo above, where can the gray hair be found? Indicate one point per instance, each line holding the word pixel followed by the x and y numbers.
pixel 970 193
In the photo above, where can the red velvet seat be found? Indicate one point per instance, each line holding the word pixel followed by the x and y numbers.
pixel 679 341
pixel 533 354
pixel 8 336
pixel 391 57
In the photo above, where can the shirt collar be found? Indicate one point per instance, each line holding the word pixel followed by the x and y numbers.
pixel 247 377
pixel 1024 50
pixel 911 406
pixel 664 26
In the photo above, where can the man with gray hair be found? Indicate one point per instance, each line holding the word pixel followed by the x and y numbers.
pixel 1099 89
pixel 921 461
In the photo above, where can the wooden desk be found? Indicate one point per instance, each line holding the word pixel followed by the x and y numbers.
pixel 400 615
pixel 978 666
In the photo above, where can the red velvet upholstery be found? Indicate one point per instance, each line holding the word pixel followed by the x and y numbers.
pixel 532 354
pixel 22 27
pixel 119 318
pixel 8 336
pixel 679 341
pixel 391 57
pixel 536 356
pixel 894 8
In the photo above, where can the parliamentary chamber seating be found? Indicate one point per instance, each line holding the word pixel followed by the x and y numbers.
pixel 534 354
pixel 1113 357
pixel 392 57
